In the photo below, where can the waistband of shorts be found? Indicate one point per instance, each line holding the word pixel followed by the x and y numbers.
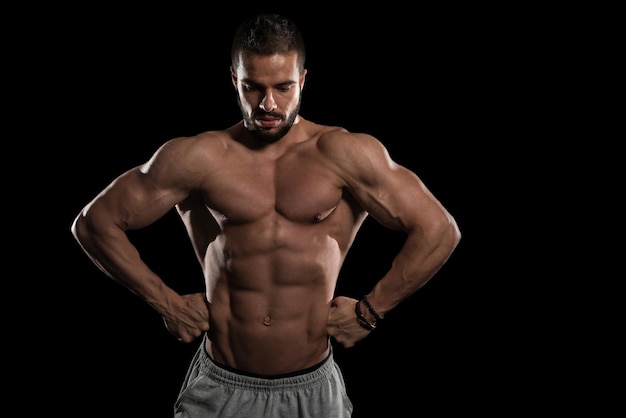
pixel 228 377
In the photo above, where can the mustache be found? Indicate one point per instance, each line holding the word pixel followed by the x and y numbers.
pixel 261 113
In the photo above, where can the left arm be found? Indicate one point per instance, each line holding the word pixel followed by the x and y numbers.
pixel 396 198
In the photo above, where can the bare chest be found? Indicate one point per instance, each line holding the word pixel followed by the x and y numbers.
pixel 298 186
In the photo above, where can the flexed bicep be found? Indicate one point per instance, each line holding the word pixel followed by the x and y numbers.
pixel 129 202
pixel 399 199
pixel 389 192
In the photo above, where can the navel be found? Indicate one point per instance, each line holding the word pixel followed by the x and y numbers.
pixel 267 321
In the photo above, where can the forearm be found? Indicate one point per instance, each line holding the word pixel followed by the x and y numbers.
pixel 421 256
pixel 113 253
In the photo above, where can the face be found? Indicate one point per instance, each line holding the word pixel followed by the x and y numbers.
pixel 269 92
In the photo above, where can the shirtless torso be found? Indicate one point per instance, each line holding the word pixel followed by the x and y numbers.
pixel 274 239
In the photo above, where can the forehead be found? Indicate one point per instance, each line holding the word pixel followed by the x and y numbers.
pixel 268 68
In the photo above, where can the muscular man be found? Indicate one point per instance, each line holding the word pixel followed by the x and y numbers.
pixel 272 206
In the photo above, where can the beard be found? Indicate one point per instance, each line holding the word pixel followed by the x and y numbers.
pixel 263 134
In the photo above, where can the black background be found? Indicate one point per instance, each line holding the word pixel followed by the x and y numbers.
pixel 435 86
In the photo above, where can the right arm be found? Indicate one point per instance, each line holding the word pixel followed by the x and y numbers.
pixel 132 201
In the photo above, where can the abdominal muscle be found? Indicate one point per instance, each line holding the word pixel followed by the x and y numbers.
pixel 269 308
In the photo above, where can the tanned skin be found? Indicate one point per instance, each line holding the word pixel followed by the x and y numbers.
pixel 272 206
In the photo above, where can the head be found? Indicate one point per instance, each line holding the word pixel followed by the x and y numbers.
pixel 267 70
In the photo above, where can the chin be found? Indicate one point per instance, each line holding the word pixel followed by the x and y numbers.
pixel 271 135
pixel 267 136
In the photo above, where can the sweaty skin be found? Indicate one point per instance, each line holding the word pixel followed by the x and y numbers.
pixel 271 220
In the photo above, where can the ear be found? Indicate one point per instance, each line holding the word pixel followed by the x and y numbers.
pixel 233 76
pixel 302 78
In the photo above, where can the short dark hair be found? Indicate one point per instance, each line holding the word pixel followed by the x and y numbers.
pixel 268 34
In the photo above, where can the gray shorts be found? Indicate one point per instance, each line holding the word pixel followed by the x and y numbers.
pixel 211 391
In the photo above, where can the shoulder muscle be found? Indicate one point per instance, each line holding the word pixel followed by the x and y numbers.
pixel 183 162
pixel 359 158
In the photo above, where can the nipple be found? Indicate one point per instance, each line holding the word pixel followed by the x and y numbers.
pixel 320 216
pixel 267 321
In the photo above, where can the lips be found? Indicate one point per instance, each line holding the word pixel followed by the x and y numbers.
pixel 269 122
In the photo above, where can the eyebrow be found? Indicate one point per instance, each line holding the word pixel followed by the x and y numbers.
pixel 281 84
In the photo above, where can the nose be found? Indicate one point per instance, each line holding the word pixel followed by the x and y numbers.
pixel 268 103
